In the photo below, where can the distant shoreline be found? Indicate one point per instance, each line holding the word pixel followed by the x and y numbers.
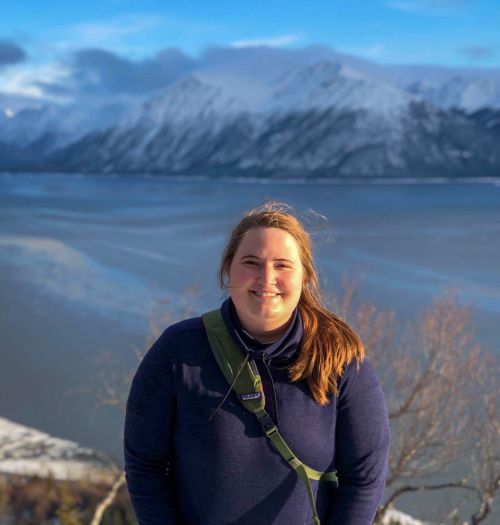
pixel 373 180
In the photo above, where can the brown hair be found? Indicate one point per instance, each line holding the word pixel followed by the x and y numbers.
pixel 328 343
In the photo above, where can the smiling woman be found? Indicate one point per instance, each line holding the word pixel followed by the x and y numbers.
pixel 299 435
pixel 266 282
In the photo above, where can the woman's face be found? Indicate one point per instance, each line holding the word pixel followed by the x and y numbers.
pixel 265 280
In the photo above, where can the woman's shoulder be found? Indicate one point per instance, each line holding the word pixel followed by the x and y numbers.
pixel 179 333
pixel 174 342
pixel 184 327
pixel 359 376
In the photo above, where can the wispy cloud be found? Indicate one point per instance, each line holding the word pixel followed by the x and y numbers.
pixel 276 41
pixel 426 6
pixel 101 32
pixel 478 52
pixel 111 33
pixel 95 73
pixel 10 53
pixel 27 80
pixel 100 70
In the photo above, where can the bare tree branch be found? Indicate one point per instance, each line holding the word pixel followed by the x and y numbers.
pixel 114 375
pixel 435 377
pixel 108 500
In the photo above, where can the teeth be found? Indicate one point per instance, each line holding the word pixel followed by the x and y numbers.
pixel 266 294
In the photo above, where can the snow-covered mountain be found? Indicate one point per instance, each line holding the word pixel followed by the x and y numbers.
pixel 48 128
pixel 186 100
pixel 331 85
pixel 29 452
pixel 468 94
pixel 320 120
pixel 290 116
pixel 256 68
pixel 488 118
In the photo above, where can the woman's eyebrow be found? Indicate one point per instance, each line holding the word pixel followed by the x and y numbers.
pixel 256 257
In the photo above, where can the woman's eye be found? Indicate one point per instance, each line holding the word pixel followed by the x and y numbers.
pixel 250 263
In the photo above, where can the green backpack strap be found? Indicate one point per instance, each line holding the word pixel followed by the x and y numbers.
pixel 243 376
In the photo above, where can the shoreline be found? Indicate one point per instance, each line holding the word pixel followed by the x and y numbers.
pixel 346 180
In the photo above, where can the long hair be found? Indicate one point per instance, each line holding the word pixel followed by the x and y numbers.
pixel 328 343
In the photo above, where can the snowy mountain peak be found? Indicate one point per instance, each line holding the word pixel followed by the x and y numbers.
pixel 317 113
pixel 29 452
pixel 324 71
pixel 187 99
pixel 329 84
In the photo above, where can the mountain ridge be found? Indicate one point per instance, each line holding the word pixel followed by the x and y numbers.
pixel 320 118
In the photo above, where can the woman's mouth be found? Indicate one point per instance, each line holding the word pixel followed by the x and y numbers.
pixel 265 294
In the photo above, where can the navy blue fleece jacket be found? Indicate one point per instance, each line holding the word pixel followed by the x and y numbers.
pixel 182 469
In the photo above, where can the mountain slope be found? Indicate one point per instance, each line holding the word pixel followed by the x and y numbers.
pixel 323 134
pixel 468 94
pixel 309 119
pixel 29 452
pixel 488 118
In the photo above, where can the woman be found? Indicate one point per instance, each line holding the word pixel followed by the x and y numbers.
pixel 195 455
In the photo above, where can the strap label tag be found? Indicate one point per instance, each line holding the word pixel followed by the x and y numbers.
pixel 253 395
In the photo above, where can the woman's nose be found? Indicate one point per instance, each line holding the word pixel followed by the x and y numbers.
pixel 267 274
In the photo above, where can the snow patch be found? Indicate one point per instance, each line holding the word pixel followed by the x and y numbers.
pixel 26 451
pixel 396 517
pixel 328 85
pixel 468 94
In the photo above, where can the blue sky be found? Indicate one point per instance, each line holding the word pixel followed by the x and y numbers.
pixel 36 37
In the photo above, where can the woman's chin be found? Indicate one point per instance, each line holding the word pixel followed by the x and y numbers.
pixel 267 322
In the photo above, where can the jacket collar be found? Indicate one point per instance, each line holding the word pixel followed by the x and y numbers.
pixel 284 348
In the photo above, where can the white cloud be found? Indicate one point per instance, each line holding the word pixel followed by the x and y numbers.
pixel 100 32
pixel 111 33
pixel 277 41
pixel 23 80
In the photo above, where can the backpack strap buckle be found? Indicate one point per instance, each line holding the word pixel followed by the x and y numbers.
pixel 267 425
